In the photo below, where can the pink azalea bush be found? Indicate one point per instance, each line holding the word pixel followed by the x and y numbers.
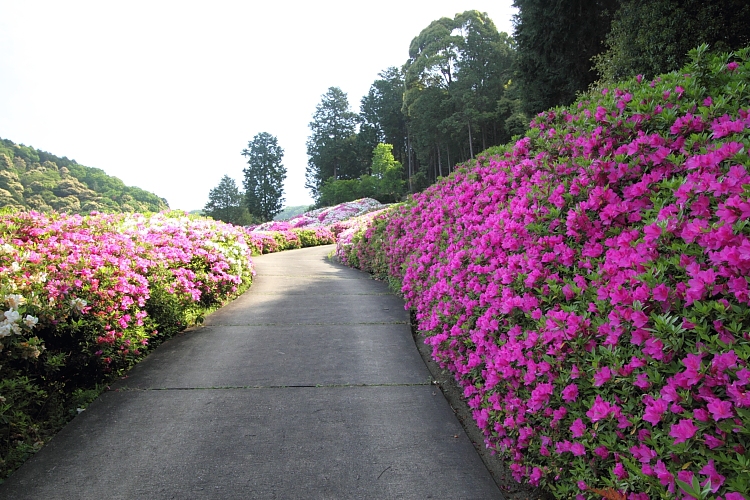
pixel 588 287
pixel 351 231
pixel 84 297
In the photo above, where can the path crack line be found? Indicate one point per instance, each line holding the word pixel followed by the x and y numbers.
pixel 287 386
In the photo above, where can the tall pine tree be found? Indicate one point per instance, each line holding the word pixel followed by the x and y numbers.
pixel 264 177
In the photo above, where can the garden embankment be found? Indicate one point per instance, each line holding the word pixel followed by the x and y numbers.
pixel 588 287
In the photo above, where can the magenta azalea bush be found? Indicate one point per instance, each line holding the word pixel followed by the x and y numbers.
pixel 588 287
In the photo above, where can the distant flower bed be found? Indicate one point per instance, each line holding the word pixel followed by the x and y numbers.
pixel 277 240
pixel 589 287
pixel 323 217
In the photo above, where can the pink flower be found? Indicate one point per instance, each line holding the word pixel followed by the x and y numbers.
pixel 602 376
pixel 599 410
pixel 570 393
pixel 641 381
pixel 619 471
pixel 733 496
pixel 683 430
pixel 712 442
pixel 732 66
pixel 643 453
pixel 601 451
pixel 716 479
pixel 720 409
pixel 578 428
pixel 665 477
pixel 578 449
pixel 535 476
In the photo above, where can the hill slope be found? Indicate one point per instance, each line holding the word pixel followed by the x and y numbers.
pixel 31 179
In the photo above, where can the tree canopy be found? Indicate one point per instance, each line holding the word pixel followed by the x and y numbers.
pixel 655 36
pixel 331 147
pixel 556 40
pixel 226 203
pixel 457 72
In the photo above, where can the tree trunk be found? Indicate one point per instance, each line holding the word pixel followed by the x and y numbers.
pixel 408 152
pixel 440 160
pixel 471 147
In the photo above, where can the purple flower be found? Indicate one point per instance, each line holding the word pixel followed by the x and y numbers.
pixel 620 471
pixel 683 430
pixel 602 376
pixel 655 410
pixel 570 393
pixel 599 410
pixel 578 449
pixel 716 479
pixel 578 428
pixel 720 409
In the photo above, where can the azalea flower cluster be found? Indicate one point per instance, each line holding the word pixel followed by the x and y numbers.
pixel 350 231
pixel 323 217
pixel 104 267
pixel 588 287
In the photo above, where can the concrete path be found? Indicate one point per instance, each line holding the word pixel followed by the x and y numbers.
pixel 308 386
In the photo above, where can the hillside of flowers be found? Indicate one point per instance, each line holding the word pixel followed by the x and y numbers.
pixel 336 218
pixel 588 287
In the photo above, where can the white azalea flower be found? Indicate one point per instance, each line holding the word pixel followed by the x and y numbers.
pixel 15 300
pixel 12 316
pixel 5 329
pixel 78 304
pixel 30 321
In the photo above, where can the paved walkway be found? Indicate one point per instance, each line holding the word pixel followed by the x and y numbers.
pixel 308 386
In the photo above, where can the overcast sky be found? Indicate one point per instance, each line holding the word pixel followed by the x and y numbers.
pixel 166 94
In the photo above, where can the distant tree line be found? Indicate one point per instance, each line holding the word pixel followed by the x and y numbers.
pixel 31 179
pixel 263 182
pixel 466 87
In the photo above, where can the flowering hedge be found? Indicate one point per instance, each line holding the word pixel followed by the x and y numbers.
pixel 85 297
pixel 270 241
pixel 588 287
pixel 323 217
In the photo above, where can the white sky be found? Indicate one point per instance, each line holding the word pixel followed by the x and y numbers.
pixel 166 94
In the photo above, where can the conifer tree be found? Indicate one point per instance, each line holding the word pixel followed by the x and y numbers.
pixel 264 177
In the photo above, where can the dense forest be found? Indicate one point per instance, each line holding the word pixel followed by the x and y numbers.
pixel 466 87
pixel 31 179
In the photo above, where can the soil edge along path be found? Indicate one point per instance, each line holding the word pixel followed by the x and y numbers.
pixel 307 386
